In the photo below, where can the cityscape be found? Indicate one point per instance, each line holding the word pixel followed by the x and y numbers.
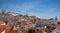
pixel 29 16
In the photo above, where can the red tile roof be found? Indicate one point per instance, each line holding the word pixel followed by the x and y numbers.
pixel 1 22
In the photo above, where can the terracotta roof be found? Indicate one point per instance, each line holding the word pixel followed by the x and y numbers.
pixel 1 22
pixel 5 14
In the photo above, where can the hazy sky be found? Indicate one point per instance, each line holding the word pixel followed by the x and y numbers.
pixel 39 8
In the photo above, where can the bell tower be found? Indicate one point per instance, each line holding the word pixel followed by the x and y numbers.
pixel 56 18
pixel 3 11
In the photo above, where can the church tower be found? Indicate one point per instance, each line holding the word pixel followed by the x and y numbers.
pixel 3 11
pixel 56 20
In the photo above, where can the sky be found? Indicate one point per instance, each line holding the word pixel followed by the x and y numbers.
pixel 41 8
